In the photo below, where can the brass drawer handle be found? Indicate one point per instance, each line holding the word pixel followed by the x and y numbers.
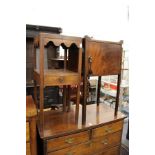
pixel 70 153
pixel 108 129
pixel 69 140
pixel 89 144
pixel 61 79
pixel 105 141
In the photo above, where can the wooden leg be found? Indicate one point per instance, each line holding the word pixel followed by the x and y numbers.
pixel 33 136
pixel 84 100
pixel 64 98
pixel 35 94
pixel 41 113
pixel 77 101
pixel 117 95
pixel 98 90
pixel 68 98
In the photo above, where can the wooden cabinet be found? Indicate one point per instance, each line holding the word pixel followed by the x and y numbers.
pixel 69 75
pixel 31 112
pixel 90 147
pixel 31 32
pixel 101 58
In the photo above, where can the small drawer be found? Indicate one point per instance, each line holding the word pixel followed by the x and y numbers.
pixel 112 151
pixel 94 147
pixel 81 149
pixel 67 141
pixel 107 129
pixel 106 141
pixel 61 80
pixel 28 152
pixel 27 132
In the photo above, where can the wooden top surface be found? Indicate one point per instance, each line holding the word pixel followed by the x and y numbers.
pixel 30 107
pixel 103 41
pixel 60 123
pixel 58 36
pixel 56 72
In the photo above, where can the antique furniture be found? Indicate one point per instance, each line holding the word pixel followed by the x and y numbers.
pixel 101 58
pixel 31 32
pixel 31 113
pixel 101 134
pixel 69 75
pixel 70 132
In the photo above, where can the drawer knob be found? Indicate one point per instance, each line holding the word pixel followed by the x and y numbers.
pixel 108 130
pixel 61 79
pixel 69 153
pixel 89 144
pixel 105 142
pixel 69 140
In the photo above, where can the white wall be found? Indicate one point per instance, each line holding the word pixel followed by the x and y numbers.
pixel 106 20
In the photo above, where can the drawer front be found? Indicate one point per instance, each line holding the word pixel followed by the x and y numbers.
pixel 61 80
pixel 28 152
pixel 93 147
pixel 27 132
pixel 67 141
pixel 106 142
pixel 107 129
pixel 113 151
pixel 81 149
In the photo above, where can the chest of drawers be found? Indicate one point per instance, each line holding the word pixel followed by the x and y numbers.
pixel 100 136
pixel 86 143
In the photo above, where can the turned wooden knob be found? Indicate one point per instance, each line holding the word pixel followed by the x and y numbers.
pixel 61 79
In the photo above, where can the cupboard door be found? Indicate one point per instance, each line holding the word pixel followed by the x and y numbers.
pixel 105 57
